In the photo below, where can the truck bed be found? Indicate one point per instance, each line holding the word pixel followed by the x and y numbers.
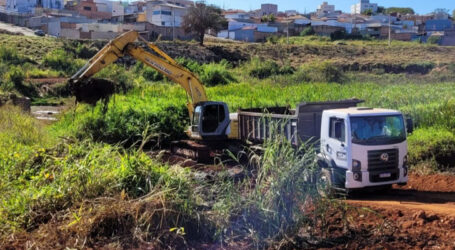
pixel 297 125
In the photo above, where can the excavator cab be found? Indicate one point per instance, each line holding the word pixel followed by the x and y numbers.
pixel 210 121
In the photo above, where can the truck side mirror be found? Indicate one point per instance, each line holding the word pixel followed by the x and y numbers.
pixel 409 126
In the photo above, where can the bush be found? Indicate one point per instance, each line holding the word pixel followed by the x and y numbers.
pixel 84 51
pixel 127 117
pixel 117 73
pixel 216 74
pixel 265 68
pixel 308 31
pixel 432 144
pixel 152 74
pixel 338 35
pixel 319 72
pixel 10 56
pixel 15 75
pixel 190 64
pixel 60 60
pixel 433 39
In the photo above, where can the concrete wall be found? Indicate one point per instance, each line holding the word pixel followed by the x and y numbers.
pixel 70 33
pixel 53 28
pixel 166 33
pixel 96 35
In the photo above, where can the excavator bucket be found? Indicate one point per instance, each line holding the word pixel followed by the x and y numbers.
pixel 92 90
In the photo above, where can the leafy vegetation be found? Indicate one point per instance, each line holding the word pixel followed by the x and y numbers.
pixel 88 174
pixel 308 31
pixel 402 11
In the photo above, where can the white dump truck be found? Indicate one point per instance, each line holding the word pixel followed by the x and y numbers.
pixel 358 147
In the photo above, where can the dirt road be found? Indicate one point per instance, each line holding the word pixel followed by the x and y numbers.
pixel 16 29
pixel 433 193
pixel 423 212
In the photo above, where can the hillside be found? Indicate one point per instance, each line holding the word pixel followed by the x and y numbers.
pixel 102 176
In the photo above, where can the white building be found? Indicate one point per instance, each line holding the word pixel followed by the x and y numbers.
pixel 28 6
pixel 116 8
pixel 364 5
pixel 291 12
pixel 165 14
pixel 269 9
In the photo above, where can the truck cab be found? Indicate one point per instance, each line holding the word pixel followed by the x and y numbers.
pixel 363 147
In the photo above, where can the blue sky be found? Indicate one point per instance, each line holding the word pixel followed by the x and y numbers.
pixel 420 6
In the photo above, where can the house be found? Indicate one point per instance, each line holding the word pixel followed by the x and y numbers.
pixel 289 13
pixel 269 9
pixel 363 6
pixel 28 6
pixel 236 15
pixel 325 9
pixel 165 14
pixel 92 10
pixel 116 8
pixel 438 25
pixel 252 34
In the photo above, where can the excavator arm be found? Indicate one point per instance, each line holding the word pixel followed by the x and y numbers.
pixel 124 45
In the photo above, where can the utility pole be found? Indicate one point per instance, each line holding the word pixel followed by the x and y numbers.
pixel 173 24
pixel 287 32
pixel 390 30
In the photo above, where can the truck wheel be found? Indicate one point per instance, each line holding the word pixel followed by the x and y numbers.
pixel 324 183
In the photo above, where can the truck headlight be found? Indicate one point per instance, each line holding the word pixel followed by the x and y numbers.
pixel 341 155
pixel 405 160
pixel 356 166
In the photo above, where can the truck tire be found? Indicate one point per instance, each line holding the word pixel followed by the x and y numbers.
pixel 324 184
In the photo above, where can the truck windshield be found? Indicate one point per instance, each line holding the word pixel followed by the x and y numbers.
pixel 378 130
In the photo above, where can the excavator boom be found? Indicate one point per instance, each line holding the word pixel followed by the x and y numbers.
pixel 124 45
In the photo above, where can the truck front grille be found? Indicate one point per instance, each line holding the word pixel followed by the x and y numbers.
pixel 377 165
pixel 375 162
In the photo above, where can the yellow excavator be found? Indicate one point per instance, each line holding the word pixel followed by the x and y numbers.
pixel 209 120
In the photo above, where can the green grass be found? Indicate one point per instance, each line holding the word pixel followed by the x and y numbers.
pixel 93 152
pixel 41 174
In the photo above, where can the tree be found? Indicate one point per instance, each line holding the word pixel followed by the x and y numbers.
pixel 308 31
pixel 367 12
pixel 268 18
pixel 402 11
pixel 202 17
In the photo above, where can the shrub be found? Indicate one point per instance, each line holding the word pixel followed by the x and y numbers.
pixel 265 68
pixel 308 31
pixel 190 64
pixel 15 75
pixel 60 60
pixel 117 73
pixel 432 144
pixel 152 74
pixel 216 74
pixel 10 56
pixel 84 51
pixel 319 72
pixel 433 39
pixel 338 35
pixel 126 118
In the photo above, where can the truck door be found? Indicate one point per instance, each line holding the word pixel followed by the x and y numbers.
pixel 335 145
